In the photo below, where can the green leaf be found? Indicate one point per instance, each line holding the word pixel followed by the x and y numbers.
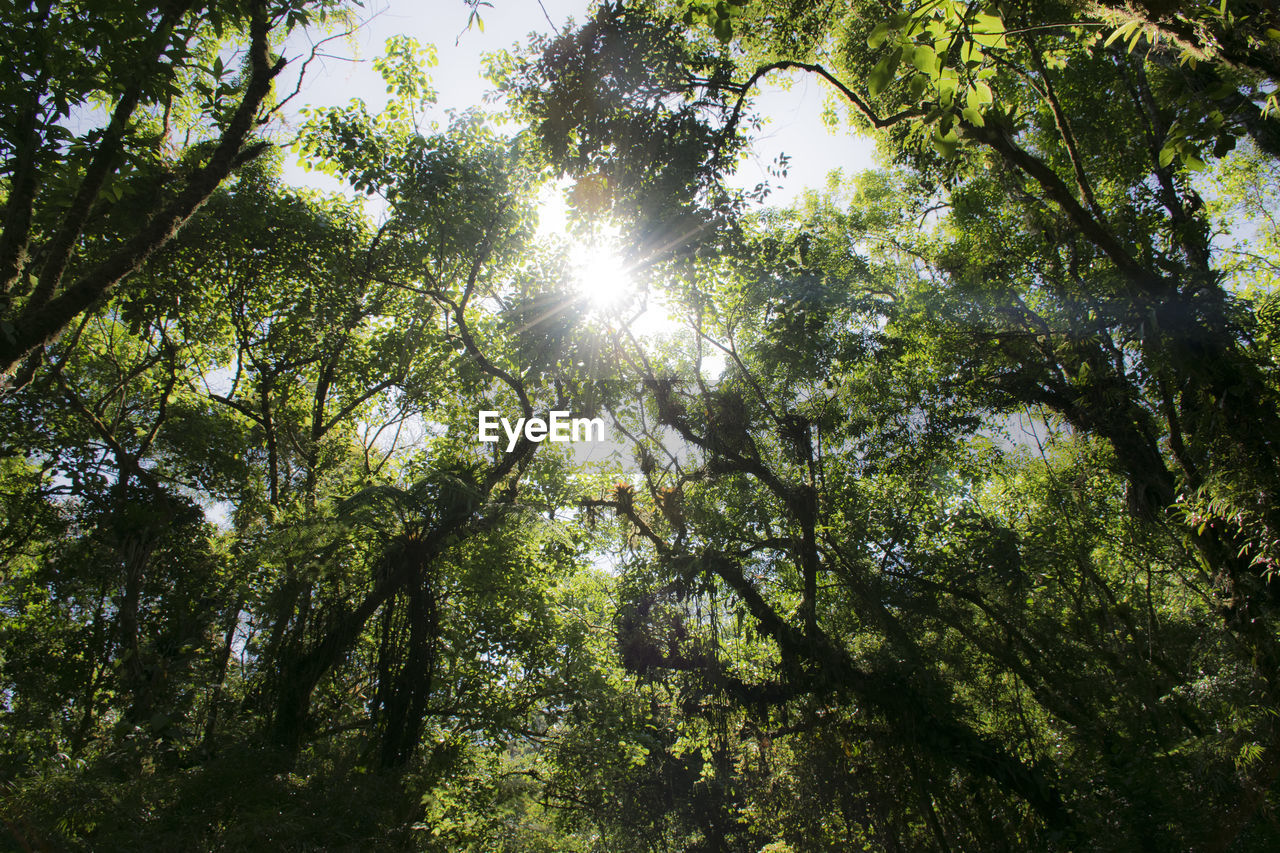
pixel 974 116
pixel 1122 31
pixel 925 59
pixel 985 22
pixel 882 75
pixel 988 30
pixel 947 85
pixel 879 34
pixel 945 146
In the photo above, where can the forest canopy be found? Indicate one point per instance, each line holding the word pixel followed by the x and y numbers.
pixel 939 510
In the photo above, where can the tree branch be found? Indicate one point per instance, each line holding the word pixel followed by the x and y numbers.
pixel 39 323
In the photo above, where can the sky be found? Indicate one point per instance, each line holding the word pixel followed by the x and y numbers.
pixel 794 123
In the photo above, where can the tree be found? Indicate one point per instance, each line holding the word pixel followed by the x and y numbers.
pixel 945 521
pixel 1072 268
pixel 370 587
pixel 157 73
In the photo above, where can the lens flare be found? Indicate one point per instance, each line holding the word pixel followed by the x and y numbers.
pixel 602 277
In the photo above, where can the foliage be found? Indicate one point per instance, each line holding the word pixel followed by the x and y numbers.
pixel 945 520
pixel 152 74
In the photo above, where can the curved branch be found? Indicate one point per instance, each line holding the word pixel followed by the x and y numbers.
pixel 853 97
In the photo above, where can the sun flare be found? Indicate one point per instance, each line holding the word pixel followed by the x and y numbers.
pixel 602 277
pixel 608 287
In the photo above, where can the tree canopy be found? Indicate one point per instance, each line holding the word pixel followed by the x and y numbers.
pixel 942 515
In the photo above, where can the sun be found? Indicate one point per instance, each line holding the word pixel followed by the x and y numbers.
pixel 603 278
pixel 609 288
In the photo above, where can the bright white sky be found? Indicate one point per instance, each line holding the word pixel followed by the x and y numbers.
pixel 794 127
